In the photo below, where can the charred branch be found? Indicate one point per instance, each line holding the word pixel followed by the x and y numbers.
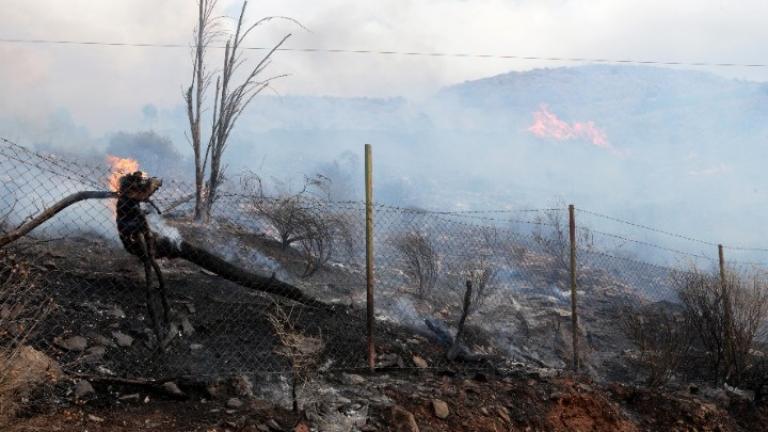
pixel 50 212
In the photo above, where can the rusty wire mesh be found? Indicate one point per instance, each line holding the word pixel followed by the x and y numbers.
pixel 517 261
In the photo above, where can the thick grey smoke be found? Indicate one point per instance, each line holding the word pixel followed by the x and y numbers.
pixel 687 147
pixel 155 153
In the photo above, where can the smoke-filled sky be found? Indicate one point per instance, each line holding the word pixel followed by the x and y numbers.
pixel 649 144
pixel 104 87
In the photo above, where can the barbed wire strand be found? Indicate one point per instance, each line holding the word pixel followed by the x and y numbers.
pixel 433 54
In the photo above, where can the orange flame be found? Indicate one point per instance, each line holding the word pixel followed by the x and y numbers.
pixel 120 167
pixel 547 125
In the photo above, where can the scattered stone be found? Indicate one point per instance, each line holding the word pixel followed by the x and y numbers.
pixel 116 312
pixel 186 326
pixel 440 408
pixel 352 379
pixel 260 405
pixel 104 370
pixel 234 403
pixel 101 340
pixel 243 386
pixel 172 389
pixel 420 362
pixel 740 393
pixel 83 388
pixel 504 414
pixel 215 389
pixel 557 395
pixel 174 329
pixel 73 343
pixel 122 339
pixel 132 396
pixel 95 419
pixel 389 360
pixel 301 427
pixel 94 354
pixel 96 351
pixel 196 347
pixel 263 427
pixel 31 367
pixel 273 425
pixel 402 420
pixel 717 394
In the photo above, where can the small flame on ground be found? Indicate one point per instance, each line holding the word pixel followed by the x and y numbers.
pixel 120 167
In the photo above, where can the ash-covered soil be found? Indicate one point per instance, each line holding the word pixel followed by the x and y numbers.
pixel 219 327
pixel 223 360
pixel 427 401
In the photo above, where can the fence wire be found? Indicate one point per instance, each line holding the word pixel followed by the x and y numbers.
pixel 100 320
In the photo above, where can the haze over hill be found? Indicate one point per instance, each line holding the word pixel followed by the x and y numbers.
pixel 676 148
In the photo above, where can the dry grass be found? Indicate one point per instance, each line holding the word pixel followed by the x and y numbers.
pixel 301 350
pixel 22 307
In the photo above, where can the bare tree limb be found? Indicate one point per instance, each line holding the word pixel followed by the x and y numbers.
pixel 50 212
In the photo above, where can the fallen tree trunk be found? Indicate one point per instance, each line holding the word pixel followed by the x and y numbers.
pixel 50 212
pixel 167 248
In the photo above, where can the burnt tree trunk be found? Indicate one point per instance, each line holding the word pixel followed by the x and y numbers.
pixel 166 248
pixel 455 349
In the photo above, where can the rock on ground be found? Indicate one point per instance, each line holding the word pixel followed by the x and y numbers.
pixel 420 362
pixel 402 420
pixel 73 343
pixel 31 366
pixel 234 403
pixel 440 408
pixel 122 339
pixel 83 388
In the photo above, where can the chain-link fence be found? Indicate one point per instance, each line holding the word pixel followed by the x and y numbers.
pixel 248 290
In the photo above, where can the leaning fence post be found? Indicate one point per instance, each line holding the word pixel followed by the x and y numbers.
pixel 369 277
pixel 574 314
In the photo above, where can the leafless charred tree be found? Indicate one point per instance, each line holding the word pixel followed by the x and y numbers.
pixel 552 237
pixel 422 262
pixel 482 274
pixel 231 97
pixel 302 219
pixel 480 271
pixel 728 317
pixel 466 309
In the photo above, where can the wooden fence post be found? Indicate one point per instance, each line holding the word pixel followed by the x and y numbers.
pixel 574 312
pixel 369 276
